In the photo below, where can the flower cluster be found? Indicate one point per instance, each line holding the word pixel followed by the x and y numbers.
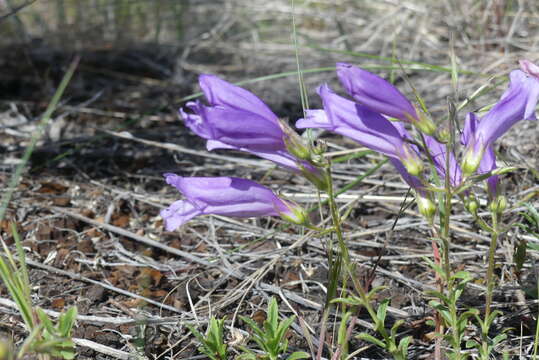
pixel 238 120
pixel 377 117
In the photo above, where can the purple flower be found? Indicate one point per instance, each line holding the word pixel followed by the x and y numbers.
pixel 529 68
pixel 226 196
pixel 375 93
pixel 363 125
pixel 488 160
pixel 438 153
pixel 237 119
pixel 413 181
pixel 380 96
pixel 517 103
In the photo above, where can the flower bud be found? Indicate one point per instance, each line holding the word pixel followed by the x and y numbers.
pixel 426 207
pixel 498 204
pixel 472 205
pixel 443 135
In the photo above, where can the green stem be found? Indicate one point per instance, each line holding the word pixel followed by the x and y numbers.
pixel 490 269
pixel 490 280
pixel 348 266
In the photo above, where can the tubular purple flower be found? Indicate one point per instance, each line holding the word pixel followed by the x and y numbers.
pixel 226 196
pixel 438 153
pixel 375 93
pixel 363 125
pixel 488 163
pixel 517 103
pixel 380 96
pixel 237 119
pixel 413 181
pixel 488 160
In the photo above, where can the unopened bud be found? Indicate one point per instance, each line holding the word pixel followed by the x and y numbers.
pixel 472 205
pixel 426 207
pixel 443 135
pixel 498 204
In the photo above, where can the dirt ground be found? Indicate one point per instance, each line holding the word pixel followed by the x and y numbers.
pixel 88 205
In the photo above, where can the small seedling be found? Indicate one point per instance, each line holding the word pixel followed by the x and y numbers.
pixel 271 338
pixel 212 344
pixel 45 339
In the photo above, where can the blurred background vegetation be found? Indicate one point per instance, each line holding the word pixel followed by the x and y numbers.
pixel 171 40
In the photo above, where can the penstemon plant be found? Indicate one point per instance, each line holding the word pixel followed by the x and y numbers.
pixel 438 164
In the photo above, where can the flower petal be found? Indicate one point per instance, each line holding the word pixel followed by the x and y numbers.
pixel 375 93
pixel 222 93
pixel 517 103
pixel 413 181
pixel 226 196
pixel 361 124
pixel 438 153
pixel 314 119
pixel 178 213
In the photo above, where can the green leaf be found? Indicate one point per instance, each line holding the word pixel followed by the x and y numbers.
pixel 375 290
pixel 381 312
pixel 463 275
pixel 273 315
pixel 438 295
pixel 253 325
pixel 47 323
pixel 341 335
pixel 442 310
pixel 396 327
pixel 66 322
pixel 403 346
pixel 493 315
pixel 371 339
pixel 352 301
pixel 298 355
pixel 281 332
pixel 498 339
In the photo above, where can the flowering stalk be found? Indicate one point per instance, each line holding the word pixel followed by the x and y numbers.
pixel 490 280
pixel 398 351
